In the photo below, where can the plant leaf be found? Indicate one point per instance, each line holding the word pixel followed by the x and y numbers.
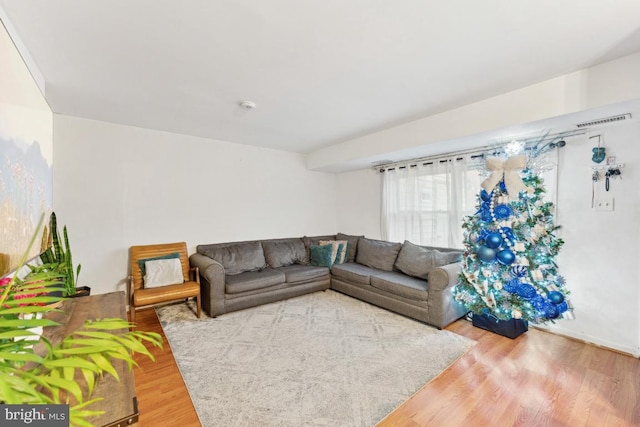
pixel 68 373
pixel 81 350
pixel 65 384
pixel 71 362
pixel 104 364
pixel 16 333
pixel 108 324
pixel 90 378
pixel 125 356
pixel 22 323
pixel 20 357
pixel 90 342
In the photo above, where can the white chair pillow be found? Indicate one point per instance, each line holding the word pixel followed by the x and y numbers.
pixel 162 272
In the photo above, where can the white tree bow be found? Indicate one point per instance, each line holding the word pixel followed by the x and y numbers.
pixel 507 169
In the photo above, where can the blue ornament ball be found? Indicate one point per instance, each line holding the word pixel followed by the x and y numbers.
pixel 493 240
pixel 506 257
pixel 486 254
pixel 555 297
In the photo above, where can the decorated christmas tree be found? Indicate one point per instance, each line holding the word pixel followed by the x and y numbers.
pixel 509 266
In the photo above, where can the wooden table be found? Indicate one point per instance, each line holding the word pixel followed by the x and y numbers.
pixel 119 397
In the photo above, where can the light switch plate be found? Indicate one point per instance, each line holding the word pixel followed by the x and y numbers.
pixel 604 204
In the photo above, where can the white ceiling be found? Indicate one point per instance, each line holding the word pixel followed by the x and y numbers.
pixel 320 71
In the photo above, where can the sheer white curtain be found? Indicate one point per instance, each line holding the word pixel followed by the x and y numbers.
pixel 426 203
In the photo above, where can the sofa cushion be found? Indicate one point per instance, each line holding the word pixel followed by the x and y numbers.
pixel 238 257
pixel 418 261
pixel 252 280
pixel 353 272
pixel 400 284
pixel 353 245
pixel 285 252
pixel 377 253
pixel 315 240
pixel 304 273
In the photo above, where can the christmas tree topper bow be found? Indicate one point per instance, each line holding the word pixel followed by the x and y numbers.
pixel 507 169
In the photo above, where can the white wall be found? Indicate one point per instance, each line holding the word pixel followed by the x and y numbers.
pixel 601 257
pixel 117 186
pixel 359 203
pixel 613 82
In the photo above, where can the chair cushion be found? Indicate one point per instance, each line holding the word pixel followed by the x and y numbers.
pixel 143 297
pixel 353 272
pixel 237 258
pixel 418 261
pixel 400 284
pixel 252 280
pixel 377 253
pixel 286 252
pixel 304 273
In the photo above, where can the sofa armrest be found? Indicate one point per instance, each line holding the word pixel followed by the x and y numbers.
pixel 445 276
pixel 212 283
pixel 443 308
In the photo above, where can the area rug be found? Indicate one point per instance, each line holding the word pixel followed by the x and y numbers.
pixel 322 359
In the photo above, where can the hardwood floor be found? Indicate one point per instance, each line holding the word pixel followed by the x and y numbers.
pixel 163 399
pixel 539 379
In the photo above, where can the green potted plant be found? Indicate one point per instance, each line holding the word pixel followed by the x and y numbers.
pixel 52 377
pixel 56 254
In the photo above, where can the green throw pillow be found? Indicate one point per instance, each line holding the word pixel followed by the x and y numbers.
pixel 321 255
pixel 168 256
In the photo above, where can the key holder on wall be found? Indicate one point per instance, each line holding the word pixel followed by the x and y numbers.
pixel 606 172
pixel 611 170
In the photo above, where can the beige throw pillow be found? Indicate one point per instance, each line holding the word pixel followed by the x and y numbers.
pixel 163 272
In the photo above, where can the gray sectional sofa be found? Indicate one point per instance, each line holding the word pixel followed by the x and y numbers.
pixel 416 281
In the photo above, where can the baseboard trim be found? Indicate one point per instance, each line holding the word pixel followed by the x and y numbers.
pixel 579 339
pixel 586 341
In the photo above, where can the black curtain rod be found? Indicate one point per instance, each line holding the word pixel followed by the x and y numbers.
pixel 538 145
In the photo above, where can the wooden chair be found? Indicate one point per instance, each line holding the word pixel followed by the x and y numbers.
pixel 140 297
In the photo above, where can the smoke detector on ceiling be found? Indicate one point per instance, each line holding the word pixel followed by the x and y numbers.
pixel 604 121
pixel 248 105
